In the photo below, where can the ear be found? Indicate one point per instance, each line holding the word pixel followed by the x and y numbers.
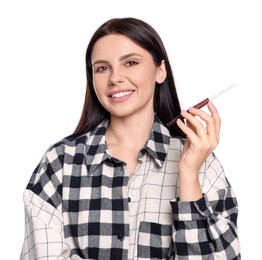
pixel 161 72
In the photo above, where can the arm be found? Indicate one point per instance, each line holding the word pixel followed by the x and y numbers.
pixel 202 131
pixel 44 228
pixel 44 237
pixel 205 215
pixel 207 228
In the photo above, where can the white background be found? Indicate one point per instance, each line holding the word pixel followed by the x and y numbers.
pixel 211 44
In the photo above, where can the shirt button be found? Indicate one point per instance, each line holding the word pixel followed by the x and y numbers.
pixel 120 237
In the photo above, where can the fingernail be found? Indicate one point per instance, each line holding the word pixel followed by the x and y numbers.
pixel 179 121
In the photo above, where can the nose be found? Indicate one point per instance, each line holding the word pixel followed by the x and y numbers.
pixel 116 77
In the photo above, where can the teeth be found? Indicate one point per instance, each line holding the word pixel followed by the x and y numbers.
pixel 121 94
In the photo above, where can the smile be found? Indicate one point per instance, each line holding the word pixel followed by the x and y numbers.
pixel 121 94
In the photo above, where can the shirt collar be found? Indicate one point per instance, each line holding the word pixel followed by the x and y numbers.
pixel 158 142
pixel 156 146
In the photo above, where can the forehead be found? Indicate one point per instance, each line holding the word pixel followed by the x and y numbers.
pixel 117 45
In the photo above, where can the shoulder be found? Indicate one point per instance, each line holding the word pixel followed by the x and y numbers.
pixel 51 166
pixel 72 145
pixel 64 145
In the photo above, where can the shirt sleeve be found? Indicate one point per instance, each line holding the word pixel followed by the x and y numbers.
pixel 44 227
pixel 44 238
pixel 207 228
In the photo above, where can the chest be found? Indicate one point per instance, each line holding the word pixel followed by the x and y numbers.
pixel 97 209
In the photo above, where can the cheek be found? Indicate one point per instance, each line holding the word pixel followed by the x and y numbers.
pixel 143 77
pixel 147 80
pixel 98 86
pixel 95 86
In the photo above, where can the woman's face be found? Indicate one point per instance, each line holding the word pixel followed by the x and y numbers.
pixel 124 75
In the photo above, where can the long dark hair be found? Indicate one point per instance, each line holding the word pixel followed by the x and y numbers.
pixel 166 103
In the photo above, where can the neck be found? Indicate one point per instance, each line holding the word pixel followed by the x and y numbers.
pixel 133 131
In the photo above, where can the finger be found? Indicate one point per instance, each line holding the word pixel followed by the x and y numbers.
pixel 192 131
pixel 201 145
pixel 208 133
pixel 188 131
pixel 195 123
pixel 215 115
pixel 212 123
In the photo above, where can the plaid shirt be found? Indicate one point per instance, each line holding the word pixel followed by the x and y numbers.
pixel 80 203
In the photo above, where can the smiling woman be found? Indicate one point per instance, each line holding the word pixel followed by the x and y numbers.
pixel 124 185
pixel 124 77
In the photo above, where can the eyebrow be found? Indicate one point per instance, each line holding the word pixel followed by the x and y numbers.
pixel 120 59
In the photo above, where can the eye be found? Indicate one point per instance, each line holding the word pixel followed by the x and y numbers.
pixel 101 69
pixel 131 63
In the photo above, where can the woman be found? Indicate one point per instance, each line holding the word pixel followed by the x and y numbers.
pixel 123 185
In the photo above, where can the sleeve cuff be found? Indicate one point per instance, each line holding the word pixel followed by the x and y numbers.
pixel 191 210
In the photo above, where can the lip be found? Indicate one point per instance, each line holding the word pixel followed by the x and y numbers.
pixel 123 95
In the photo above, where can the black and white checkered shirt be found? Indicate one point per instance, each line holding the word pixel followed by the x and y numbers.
pixel 81 203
